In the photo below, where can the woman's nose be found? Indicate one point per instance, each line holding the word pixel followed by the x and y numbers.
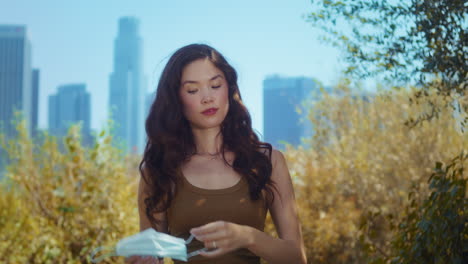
pixel 207 96
pixel 207 99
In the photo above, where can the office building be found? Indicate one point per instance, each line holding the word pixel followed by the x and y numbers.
pixel 15 82
pixel 35 102
pixel 282 97
pixel 127 87
pixel 69 106
pixel 15 77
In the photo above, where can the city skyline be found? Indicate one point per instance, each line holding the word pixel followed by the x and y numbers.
pixel 72 42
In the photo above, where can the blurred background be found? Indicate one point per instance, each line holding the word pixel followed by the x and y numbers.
pixel 366 99
pixel 89 48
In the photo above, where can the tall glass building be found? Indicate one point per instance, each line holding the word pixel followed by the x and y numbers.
pixel 15 83
pixel 282 97
pixel 69 106
pixel 127 89
pixel 15 77
pixel 35 102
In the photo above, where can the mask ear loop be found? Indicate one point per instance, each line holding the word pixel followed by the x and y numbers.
pixel 196 252
pixel 99 259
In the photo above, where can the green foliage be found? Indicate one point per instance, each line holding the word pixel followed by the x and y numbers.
pixel 434 230
pixel 57 205
pixel 441 215
pixel 423 42
pixel 408 39
pixel 360 166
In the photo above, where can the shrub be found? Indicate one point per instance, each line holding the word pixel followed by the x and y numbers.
pixel 363 159
pixel 59 205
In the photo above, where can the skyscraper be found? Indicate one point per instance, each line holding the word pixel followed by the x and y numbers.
pixel 69 106
pixel 127 91
pixel 15 82
pixel 281 99
pixel 35 101
pixel 15 77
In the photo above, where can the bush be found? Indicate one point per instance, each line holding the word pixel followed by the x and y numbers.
pixel 436 229
pixel 363 160
pixel 59 205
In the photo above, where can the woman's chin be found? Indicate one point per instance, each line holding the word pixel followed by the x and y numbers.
pixel 206 125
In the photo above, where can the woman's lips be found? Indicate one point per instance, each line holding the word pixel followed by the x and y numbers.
pixel 210 111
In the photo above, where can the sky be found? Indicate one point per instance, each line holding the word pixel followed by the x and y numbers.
pixel 73 42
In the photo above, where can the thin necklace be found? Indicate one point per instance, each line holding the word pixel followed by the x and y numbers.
pixel 213 156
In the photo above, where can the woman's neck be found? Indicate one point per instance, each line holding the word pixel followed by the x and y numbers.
pixel 207 141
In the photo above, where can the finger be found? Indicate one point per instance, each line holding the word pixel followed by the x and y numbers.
pixel 151 260
pixel 214 236
pixel 213 253
pixel 135 259
pixel 142 260
pixel 215 244
pixel 155 260
pixel 208 228
pixel 131 260
pixel 146 260
pixel 220 238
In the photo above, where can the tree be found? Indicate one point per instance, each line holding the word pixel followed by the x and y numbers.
pixel 423 42
pixel 419 238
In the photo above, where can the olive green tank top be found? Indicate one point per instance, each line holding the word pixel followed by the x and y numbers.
pixel 193 207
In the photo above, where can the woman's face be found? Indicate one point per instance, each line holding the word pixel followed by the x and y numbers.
pixel 204 94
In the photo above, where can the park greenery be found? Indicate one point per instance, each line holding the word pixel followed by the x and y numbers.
pixel 382 179
pixel 365 179
pixel 421 44
pixel 59 203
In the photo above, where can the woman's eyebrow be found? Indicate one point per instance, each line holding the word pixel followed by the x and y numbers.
pixel 211 79
pixel 216 77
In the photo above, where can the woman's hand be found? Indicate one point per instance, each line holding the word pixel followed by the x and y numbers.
pixel 223 237
pixel 143 260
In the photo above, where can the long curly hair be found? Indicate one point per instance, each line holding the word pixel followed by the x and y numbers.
pixel 170 140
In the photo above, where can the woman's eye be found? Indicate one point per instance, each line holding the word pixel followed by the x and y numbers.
pixel 192 91
pixel 216 87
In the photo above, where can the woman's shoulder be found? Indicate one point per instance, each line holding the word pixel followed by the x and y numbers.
pixel 273 153
pixel 275 156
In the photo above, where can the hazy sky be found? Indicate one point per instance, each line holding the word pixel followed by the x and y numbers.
pixel 73 42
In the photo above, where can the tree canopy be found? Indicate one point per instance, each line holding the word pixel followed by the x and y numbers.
pixel 409 41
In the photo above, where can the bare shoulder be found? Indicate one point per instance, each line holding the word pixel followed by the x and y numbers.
pixel 272 153
pixel 276 155
pixel 277 159
pixel 144 177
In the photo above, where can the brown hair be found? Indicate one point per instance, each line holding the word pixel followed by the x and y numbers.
pixel 170 141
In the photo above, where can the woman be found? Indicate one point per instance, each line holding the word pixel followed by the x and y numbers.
pixel 205 172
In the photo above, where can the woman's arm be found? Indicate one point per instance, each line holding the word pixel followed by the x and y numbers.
pixel 288 248
pixel 143 193
pixel 145 224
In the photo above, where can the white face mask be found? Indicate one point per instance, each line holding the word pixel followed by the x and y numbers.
pixel 149 243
